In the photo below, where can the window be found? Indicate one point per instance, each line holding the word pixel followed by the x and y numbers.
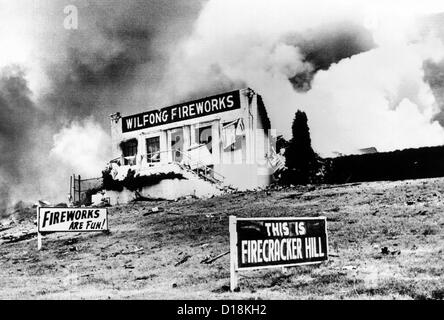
pixel 153 149
pixel 204 136
pixel 177 141
pixel 232 134
pixel 129 150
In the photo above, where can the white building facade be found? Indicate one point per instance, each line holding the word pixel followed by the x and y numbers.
pixel 222 140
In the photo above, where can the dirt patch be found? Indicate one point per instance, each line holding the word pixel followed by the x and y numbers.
pixel 159 255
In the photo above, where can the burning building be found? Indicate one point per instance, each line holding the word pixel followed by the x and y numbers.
pixel 214 143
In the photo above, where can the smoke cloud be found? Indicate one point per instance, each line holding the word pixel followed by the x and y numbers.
pixel 326 45
pixel 55 105
pixel 359 70
pixel 18 119
pixel 74 147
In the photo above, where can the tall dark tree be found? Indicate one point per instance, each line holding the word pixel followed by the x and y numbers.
pixel 300 157
pixel 281 143
pixel 278 142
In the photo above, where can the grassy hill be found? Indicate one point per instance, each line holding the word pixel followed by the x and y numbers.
pixel 386 241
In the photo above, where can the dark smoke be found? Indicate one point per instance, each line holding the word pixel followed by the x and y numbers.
pixel 92 72
pixel 19 117
pixel 328 45
pixel 119 44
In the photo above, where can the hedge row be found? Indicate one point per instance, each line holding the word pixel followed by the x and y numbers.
pixel 427 162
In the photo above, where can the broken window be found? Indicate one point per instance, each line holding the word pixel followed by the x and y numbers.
pixel 176 142
pixel 204 136
pixel 153 149
pixel 129 150
pixel 232 132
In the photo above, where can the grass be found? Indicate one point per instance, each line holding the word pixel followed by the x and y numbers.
pixel 362 219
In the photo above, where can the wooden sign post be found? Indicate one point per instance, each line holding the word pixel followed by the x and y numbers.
pixel 39 235
pixel 233 253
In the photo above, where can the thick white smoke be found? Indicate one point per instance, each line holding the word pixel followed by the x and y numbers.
pixel 82 148
pixel 374 98
pixel 377 98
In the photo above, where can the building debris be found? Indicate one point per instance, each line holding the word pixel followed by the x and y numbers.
pixel 154 210
pixel 157 209
pixel 139 197
pixel 61 205
pixel 349 267
pixel 16 238
pixel 70 241
pixel 108 245
pixel 6 228
pixel 128 252
pixel 386 250
pixel 183 260
pixel 43 203
pixel 209 260
pixel 148 277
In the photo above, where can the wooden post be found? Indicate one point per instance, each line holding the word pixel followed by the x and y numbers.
pixel 39 235
pixel 39 241
pixel 70 188
pixel 73 188
pixel 79 190
pixel 233 253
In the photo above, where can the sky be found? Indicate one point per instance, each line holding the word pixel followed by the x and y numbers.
pixel 367 73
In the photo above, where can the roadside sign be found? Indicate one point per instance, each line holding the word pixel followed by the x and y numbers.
pixel 257 243
pixel 51 219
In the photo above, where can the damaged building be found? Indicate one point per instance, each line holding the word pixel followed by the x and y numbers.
pixel 202 147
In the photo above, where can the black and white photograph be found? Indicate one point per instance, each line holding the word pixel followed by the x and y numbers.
pixel 221 150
